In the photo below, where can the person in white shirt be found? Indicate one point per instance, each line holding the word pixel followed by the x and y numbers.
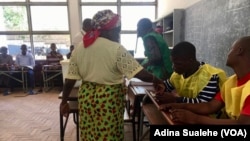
pixel 25 59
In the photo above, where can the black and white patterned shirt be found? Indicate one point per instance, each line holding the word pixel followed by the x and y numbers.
pixel 204 94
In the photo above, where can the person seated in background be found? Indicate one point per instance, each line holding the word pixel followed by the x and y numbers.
pixel 53 61
pixel 234 95
pixel 26 60
pixel 86 27
pixel 192 81
pixel 53 58
pixel 71 48
pixel 156 50
pixel 6 62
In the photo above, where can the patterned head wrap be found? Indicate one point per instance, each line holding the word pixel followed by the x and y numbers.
pixel 102 20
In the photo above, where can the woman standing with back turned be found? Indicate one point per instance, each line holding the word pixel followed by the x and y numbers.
pixel 101 95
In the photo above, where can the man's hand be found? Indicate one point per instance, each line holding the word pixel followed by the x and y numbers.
pixel 165 98
pixel 159 88
pixel 64 108
pixel 169 106
pixel 183 116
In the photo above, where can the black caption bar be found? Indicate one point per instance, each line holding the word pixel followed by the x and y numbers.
pixel 218 132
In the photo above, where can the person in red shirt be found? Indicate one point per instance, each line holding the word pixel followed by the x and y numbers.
pixel 234 95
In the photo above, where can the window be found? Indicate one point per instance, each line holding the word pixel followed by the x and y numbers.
pixel 130 15
pixel 14 18
pixel 12 0
pixel 36 23
pixel 89 11
pixel 13 43
pixel 130 11
pixel 102 1
pixel 42 44
pixel 33 0
pixel 52 18
pixel 131 42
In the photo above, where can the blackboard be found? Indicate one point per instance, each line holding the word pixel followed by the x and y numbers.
pixel 213 25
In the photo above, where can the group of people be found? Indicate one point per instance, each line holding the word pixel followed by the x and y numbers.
pixel 233 96
pixel 26 60
pixel 193 92
pixel 187 88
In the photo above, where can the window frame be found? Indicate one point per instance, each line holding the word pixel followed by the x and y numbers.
pixel 27 4
pixel 119 4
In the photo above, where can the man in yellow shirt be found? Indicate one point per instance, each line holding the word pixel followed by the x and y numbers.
pixel 192 81
pixel 234 96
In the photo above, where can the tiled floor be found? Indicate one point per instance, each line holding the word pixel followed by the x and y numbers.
pixel 36 118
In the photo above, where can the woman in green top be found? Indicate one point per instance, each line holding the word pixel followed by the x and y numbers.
pixel 157 53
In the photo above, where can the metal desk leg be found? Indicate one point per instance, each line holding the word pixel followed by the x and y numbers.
pixel 138 121
pixel 24 80
pixel 61 126
pixel 141 121
pixel 77 127
pixel 133 126
pixel 76 121
pixel 45 85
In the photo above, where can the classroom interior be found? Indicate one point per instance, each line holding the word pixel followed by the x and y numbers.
pixel 212 26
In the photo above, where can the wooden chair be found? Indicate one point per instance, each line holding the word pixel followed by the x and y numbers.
pixel 73 105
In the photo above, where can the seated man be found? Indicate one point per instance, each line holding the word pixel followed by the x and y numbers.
pixel 234 96
pixel 27 60
pixel 71 49
pixel 86 27
pixel 6 61
pixel 54 57
pixel 192 81
pixel 53 61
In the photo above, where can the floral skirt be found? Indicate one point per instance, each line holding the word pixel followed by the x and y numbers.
pixel 101 109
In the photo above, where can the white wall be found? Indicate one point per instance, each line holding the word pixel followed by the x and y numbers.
pixel 165 7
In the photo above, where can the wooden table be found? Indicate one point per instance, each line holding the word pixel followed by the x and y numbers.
pixel 150 109
pixel 136 92
pixel 23 80
pixel 166 115
pixel 49 74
